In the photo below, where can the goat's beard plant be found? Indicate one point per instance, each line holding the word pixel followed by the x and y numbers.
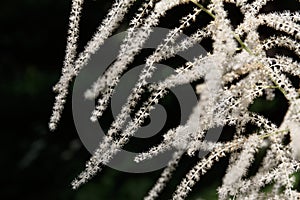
pixel 236 71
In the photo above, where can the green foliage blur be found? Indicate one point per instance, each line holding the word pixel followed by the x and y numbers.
pixel 37 164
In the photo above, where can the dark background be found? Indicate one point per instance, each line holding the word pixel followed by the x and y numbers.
pixel 38 164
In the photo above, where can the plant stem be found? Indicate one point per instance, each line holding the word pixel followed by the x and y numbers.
pixel 243 45
pixel 270 134
pixel 203 8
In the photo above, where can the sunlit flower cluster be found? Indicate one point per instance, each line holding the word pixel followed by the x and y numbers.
pixel 235 72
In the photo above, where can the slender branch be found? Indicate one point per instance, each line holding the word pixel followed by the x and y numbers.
pixel 243 45
pixel 203 8
pixel 270 134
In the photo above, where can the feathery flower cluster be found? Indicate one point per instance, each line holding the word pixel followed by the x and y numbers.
pixel 238 70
